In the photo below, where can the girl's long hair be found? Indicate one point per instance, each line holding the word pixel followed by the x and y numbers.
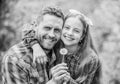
pixel 85 44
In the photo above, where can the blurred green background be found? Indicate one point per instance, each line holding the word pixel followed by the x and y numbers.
pixel 105 15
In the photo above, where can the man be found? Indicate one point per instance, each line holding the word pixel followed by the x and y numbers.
pixel 18 67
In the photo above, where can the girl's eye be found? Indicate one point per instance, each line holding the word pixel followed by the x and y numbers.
pixel 57 30
pixel 66 27
pixel 77 31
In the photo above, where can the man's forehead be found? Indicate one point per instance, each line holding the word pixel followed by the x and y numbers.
pixel 52 18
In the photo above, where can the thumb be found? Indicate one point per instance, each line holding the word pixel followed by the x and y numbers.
pixel 34 61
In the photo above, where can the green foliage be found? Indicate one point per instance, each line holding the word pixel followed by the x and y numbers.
pixel 106 30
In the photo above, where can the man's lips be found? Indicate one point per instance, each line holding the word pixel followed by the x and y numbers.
pixel 50 39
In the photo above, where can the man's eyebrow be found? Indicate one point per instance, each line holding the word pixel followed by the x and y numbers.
pixel 77 28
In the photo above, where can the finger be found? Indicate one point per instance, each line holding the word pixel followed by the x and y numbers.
pixel 34 59
pixel 41 60
pixel 45 59
pixel 59 65
pixel 57 78
pixel 67 77
pixel 60 73
pixel 34 64
pixel 58 69
pixel 38 60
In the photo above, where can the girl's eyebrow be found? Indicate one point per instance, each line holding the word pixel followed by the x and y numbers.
pixel 77 28
pixel 67 25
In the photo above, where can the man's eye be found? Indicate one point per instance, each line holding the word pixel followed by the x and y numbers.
pixel 47 28
pixel 57 30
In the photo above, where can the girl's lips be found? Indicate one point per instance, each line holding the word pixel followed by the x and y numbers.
pixel 68 38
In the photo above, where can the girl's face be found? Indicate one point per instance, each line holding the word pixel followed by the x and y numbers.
pixel 72 31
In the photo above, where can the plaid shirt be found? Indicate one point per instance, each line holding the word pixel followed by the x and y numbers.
pixel 81 68
pixel 18 67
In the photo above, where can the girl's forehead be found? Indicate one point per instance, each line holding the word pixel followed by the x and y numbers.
pixel 74 22
pixel 73 18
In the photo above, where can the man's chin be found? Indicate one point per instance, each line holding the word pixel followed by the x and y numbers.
pixel 48 47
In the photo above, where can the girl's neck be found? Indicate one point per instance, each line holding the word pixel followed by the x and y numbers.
pixel 71 49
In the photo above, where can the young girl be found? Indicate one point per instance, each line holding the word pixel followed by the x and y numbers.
pixel 82 60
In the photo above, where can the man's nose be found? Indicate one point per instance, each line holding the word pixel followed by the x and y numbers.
pixel 51 33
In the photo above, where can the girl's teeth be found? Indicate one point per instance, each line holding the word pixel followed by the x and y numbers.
pixel 68 38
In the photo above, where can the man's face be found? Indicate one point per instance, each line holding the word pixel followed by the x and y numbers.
pixel 49 31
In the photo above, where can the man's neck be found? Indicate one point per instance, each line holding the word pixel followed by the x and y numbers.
pixel 46 51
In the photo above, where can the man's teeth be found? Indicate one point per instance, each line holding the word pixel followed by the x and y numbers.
pixel 50 40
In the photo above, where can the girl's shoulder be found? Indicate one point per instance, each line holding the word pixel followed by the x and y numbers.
pixel 91 55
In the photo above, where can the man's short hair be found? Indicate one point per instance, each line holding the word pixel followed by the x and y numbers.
pixel 52 10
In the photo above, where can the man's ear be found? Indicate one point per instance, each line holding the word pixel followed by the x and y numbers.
pixel 36 32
